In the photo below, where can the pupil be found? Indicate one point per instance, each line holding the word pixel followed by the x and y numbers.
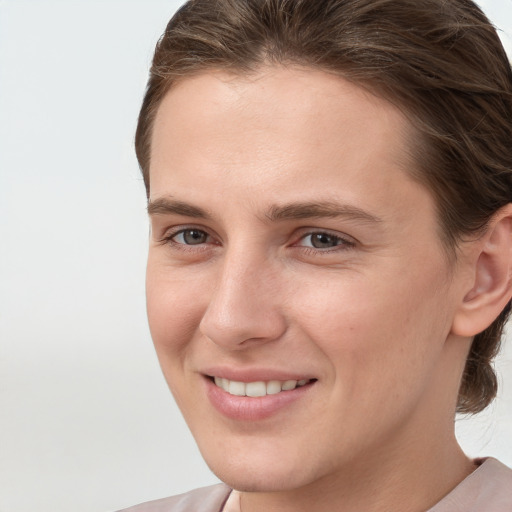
pixel 194 237
pixel 322 240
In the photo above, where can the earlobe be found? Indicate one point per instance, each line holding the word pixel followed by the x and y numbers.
pixel 491 287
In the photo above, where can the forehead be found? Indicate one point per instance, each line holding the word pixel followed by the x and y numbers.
pixel 280 135
pixel 287 108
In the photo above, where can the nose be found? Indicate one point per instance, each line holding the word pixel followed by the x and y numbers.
pixel 245 306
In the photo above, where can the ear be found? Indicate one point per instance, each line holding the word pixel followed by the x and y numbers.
pixel 491 286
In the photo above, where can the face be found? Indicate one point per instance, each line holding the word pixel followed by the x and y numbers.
pixel 298 294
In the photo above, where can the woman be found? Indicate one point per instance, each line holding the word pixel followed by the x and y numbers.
pixel 329 188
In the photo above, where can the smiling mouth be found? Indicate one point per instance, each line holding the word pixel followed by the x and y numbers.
pixel 259 388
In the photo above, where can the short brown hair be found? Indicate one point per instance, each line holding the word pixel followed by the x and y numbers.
pixel 440 62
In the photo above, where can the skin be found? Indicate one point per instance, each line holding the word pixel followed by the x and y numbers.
pixel 371 318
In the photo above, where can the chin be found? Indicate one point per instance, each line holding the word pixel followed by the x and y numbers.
pixel 259 471
pixel 260 480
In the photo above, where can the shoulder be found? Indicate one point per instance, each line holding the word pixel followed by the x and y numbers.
pixel 496 485
pixel 210 499
pixel 488 488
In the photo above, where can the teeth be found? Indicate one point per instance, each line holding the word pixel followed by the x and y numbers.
pixel 273 387
pixel 289 384
pixel 256 389
pixel 236 388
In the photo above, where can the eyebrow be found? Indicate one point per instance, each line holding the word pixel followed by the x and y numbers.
pixel 314 210
pixel 291 211
pixel 166 206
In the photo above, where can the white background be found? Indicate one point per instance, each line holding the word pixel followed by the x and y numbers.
pixel 86 421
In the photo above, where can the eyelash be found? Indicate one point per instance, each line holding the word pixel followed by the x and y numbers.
pixel 342 243
pixel 169 239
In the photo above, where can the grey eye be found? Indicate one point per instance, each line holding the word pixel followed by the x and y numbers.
pixel 324 240
pixel 191 237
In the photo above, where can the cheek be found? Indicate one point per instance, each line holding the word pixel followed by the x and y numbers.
pixel 377 331
pixel 174 307
pixel 174 312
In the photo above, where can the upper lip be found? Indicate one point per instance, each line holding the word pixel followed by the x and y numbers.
pixel 255 374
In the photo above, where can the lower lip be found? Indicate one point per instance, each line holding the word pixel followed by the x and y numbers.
pixel 245 408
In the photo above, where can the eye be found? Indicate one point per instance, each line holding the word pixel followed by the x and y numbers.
pixel 190 236
pixel 323 240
